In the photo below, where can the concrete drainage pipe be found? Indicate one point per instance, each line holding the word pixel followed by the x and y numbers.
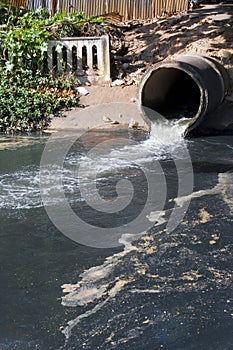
pixel 188 86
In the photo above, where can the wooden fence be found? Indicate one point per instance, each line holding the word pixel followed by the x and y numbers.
pixel 128 9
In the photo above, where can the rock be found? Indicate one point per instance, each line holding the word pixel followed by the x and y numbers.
pixel 119 76
pixel 135 74
pixel 131 82
pixel 118 82
pixel 225 54
pixel 82 90
pixel 107 119
pixel 133 99
pixel 133 124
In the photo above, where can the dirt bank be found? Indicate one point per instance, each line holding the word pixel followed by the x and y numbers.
pixel 206 30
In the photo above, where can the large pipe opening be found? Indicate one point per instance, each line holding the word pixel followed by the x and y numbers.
pixel 188 86
pixel 172 93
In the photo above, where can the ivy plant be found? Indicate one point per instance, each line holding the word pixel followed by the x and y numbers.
pixel 27 100
pixel 29 94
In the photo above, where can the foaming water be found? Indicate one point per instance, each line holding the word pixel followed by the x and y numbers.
pixel 99 284
pixel 169 132
pixel 150 278
pixel 21 189
pixel 164 142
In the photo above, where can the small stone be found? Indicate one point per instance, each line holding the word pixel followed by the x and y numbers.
pixel 82 90
pixel 226 54
pixel 107 119
pixel 119 76
pixel 118 82
pixel 133 124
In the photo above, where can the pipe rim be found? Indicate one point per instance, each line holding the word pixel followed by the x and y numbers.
pixel 187 69
pixel 215 65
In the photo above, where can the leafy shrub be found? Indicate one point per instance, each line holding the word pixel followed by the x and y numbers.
pixel 29 94
pixel 25 34
pixel 27 99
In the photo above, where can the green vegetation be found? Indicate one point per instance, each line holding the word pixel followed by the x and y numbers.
pixel 26 33
pixel 27 99
pixel 28 92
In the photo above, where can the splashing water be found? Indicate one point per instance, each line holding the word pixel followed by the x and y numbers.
pixel 98 287
pixel 168 132
pixel 21 189
pixel 165 139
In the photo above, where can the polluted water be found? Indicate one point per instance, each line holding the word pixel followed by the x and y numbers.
pixel 162 281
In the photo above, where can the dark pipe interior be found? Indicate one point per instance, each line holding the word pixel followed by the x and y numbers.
pixel 172 93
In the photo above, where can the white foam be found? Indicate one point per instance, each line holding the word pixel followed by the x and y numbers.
pixel 164 140
pixel 96 283
pixel 21 189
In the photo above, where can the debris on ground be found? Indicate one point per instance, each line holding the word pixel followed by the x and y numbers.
pixel 82 90
pixel 118 82
pixel 107 119
pixel 133 124
pixel 206 30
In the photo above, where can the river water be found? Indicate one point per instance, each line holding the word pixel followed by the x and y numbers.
pixel 164 282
